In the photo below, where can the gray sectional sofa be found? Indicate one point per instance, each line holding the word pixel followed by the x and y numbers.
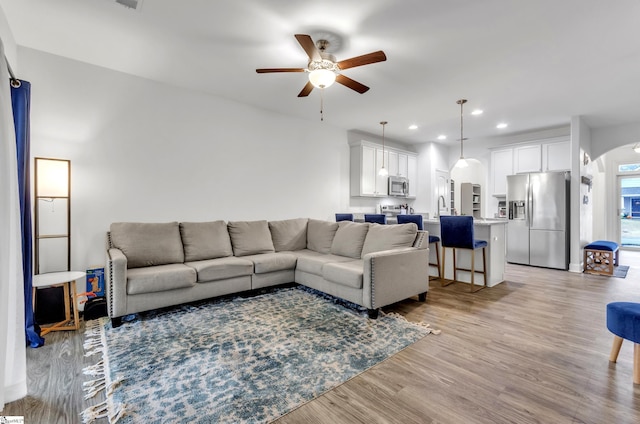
pixel 153 265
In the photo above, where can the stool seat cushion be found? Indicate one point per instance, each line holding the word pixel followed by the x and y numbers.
pixel 434 239
pixel 610 246
pixel 623 320
pixel 477 244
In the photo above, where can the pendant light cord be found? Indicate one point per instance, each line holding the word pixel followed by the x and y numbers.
pixel 461 102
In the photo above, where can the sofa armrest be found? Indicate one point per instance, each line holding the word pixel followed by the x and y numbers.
pixel 116 283
pixel 422 239
pixel 394 275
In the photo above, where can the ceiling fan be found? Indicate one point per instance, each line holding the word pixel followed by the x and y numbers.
pixel 323 68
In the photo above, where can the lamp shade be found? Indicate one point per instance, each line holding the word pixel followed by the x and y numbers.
pixel 322 78
pixel 52 177
pixel 462 163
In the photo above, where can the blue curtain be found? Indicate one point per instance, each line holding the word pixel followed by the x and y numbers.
pixel 20 101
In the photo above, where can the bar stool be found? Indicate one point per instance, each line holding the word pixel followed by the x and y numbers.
pixel 623 320
pixel 344 217
pixel 457 233
pixel 378 218
pixel 435 240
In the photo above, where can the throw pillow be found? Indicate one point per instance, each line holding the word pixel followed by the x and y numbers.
pixel 349 239
pixel 386 237
pixel 320 235
pixel 148 244
pixel 289 235
pixel 205 240
pixel 250 237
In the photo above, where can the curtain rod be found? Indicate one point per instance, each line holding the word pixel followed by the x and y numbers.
pixel 12 77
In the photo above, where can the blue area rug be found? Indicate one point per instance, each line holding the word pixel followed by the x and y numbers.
pixel 621 271
pixel 236 360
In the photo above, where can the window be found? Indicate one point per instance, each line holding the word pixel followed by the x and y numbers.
pixel 629 167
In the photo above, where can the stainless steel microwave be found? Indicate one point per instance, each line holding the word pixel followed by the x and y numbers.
pixel 398 186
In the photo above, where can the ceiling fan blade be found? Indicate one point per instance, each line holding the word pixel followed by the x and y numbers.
pixel 352 84
pixel 269 70
pixel 306 90
pixel 309 46
pixel 365 59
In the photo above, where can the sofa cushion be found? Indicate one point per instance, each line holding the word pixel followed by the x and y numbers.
pixel 221 268
pixel 386 237
pixel 250 237
pixel 160 278
pixel 349 239
pixel 313 263
pixel 320 235
pixel 205 240
pixel 148 244
pixel 290 234
pixel 344 273
pixel 270 262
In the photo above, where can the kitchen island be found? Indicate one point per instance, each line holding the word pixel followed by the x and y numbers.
pixel 493 231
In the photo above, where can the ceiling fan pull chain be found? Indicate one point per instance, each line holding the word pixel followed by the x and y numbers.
pixel 321 104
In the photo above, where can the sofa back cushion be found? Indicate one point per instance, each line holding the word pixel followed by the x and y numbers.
pixel 148 244
pixel 205 240
pixel 289 235
pixel 349 239
pixel 386 237
pixel 320 235
pixel 250 237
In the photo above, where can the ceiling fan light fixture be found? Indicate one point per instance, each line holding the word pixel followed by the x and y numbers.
pixel 322 78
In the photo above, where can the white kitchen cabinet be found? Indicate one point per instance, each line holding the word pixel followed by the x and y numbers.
pixel 403 165
pixel 398 164
pixel 412 174
pixel 501 166
pixel 366 161
pixel 392 163
pixel 527 158
pixel 556 156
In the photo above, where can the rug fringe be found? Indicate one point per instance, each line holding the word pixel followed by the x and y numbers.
pixel 95 343
pixel 101 410
pixel 430 330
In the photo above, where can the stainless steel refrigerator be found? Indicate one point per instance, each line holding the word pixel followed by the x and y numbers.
pixel 538 219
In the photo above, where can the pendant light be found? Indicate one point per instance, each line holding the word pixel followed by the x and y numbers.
pixel 462 163
pixel 383 171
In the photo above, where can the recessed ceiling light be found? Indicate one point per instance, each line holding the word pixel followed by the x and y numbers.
pixel 477 112
pixel 442 137
pixel 501 125
pixel 413 127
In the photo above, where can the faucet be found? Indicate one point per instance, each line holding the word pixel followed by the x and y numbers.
pixel 444 202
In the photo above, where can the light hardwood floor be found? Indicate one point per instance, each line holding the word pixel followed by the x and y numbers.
pixel 533 349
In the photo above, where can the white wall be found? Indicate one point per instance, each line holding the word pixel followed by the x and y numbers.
pixel 9 43
pixel 431 157
pixel 143 151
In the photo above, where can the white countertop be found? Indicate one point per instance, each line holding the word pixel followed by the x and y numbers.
pixel 481 221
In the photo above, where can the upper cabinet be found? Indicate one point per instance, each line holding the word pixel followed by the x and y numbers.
pixel 527 158
pixel 366 161
pixel 556 156
pixel 550 155
pixel 501 166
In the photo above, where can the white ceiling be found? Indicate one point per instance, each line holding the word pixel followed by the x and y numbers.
pixel 533 64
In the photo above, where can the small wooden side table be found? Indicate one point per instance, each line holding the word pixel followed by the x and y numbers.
pixel 66 279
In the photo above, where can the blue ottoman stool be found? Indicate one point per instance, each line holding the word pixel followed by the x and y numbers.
pixel 623 320
pixel 600 257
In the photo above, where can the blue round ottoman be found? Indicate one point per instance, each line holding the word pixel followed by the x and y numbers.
pixel 623 320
